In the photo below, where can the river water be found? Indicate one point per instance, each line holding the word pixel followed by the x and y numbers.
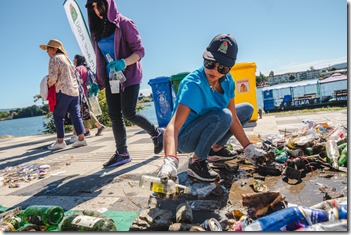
pixel 34 125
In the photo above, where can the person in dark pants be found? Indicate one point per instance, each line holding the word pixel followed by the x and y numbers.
pixel 82 68
pixel 118 48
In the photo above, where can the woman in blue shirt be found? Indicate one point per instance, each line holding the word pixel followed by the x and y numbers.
pixel 205 115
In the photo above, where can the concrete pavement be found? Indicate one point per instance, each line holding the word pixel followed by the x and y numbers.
pixel 76 179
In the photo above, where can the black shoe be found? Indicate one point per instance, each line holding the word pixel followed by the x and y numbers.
pixel 200 170
pixel 118 159
pixel 100 130
pixel 158 141
pixel 223 154
pixel 87 134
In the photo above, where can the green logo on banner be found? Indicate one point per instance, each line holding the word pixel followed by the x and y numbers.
pixel 73 12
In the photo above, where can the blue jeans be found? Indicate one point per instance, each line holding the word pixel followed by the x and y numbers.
pixel 64 104
pixel 211 128
pixel 123 105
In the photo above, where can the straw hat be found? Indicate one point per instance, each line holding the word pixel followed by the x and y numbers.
pixel 55 44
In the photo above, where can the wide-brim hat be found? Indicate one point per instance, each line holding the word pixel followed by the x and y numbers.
pixel 222 49
pixel 55 44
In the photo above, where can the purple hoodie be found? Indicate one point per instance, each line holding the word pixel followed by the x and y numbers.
pixel 126 41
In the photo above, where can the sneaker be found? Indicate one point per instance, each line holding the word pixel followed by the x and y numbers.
pixel 100 130
pixel 87 134
pixel 118 159
pixel 223 154
pixel 73 139
pixel 200 170
pixel 79 143
pixel 57 145
pixel 158 141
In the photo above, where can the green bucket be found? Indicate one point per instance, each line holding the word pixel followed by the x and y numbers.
pixel 176 79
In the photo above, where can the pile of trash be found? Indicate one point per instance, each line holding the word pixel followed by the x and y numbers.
pixel 12 176
pixel 278 215
pixel 313 148
pixel 191 205
pixel 53 218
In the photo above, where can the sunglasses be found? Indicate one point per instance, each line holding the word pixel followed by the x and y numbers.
pixel 209 64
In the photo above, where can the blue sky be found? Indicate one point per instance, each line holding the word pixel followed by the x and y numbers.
pixel 278 35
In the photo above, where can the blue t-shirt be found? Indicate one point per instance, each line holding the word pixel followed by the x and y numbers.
pixel 106 47
pixel 195 92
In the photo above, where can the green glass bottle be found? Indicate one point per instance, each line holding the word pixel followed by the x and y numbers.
pixel 87 223
pixel 343 157
pixel 341 147
pixel 43 215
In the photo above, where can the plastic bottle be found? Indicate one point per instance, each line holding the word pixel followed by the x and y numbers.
pixel 338 134
pixel 94 105
pixel 113 75
pixel 332 152
pixel 156 185
pixel 42 215
pixel 338 213
pixel 288 219
pixel 80 222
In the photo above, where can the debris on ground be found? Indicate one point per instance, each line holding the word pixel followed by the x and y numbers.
pixel 240 200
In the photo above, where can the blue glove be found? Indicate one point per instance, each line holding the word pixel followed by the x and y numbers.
pixel 94 89
pixel 118 65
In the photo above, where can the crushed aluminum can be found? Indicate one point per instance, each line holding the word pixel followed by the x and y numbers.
pixel 211 225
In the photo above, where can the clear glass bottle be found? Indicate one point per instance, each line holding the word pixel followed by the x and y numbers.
pixel 42 215
pixel 332 152
pixel 155 184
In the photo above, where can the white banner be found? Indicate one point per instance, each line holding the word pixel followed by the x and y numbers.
pixel 80 31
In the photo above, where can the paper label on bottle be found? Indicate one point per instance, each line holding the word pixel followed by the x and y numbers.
pixel 158 188
pixel 86 221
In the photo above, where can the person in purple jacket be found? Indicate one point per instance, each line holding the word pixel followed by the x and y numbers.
pixel 118 48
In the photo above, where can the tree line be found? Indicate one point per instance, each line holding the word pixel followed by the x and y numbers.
pixel 31 111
